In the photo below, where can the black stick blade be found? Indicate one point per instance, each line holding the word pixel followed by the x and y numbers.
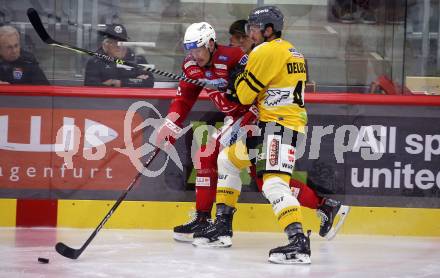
pixel 35 20
pixel 66 251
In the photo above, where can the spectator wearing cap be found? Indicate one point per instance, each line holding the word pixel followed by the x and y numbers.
pixel 103 73
pixel 238 36
pixel 16 65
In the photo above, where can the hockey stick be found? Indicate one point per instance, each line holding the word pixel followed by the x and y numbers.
pixel 35 20
pixel 231 132
pixel 37 5
pixel 72 253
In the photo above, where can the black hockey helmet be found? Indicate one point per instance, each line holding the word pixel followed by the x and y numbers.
pixel 262 16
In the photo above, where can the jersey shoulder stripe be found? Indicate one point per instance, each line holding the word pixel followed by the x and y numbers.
pixel 256 81
pixel 251 86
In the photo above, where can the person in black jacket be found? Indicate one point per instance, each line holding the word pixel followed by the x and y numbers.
pixel 102 73
pixel 16 65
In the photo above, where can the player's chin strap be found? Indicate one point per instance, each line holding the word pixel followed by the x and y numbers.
pixel 211 54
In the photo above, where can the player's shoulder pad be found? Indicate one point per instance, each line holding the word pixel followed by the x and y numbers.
pixel 228 54
pixel 295 53
pixel 229 50
pixel 188 62
pixel 261 53
pixel 235 53
pixel 276 48
pixel 191 69
pixel 263 49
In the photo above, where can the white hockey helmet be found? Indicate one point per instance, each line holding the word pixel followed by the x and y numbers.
pixel 198 35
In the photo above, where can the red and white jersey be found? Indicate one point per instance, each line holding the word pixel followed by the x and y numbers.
pixel 223 60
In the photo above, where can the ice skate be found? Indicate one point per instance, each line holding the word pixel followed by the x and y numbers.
pixel 328 212
pixel 219 233
pixel 296 252
pixel 185 232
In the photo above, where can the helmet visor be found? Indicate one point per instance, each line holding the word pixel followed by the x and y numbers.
pixel 190 45
pixel 253 26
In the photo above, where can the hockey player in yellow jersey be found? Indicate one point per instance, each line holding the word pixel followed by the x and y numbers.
pixel 274 78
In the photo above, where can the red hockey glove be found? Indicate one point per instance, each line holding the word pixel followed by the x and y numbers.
pixel 244 126
pixel 250 117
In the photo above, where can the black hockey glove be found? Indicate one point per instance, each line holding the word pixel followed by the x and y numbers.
pixel 235 77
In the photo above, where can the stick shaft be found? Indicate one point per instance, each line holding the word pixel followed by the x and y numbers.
pixel 72 253
pixel 35 20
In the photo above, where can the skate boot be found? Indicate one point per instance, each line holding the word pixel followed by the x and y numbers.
pixel 296 252
pixel 328 211
pixel 219 232
pixel 199 220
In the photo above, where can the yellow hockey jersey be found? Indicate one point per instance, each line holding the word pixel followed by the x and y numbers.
pixel 276 75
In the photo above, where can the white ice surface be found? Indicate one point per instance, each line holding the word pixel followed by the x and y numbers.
pixel 146 253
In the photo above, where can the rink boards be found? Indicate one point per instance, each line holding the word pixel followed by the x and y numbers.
pixel 249 217
pixel 379 154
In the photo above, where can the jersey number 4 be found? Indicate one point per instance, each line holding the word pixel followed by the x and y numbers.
pixel 298 94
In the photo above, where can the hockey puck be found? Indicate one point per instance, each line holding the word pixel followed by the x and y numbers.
pixel 43 260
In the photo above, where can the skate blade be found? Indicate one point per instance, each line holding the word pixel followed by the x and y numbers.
pixel 342 212
pixel 222 242
pixel 180 237
pixel 278 258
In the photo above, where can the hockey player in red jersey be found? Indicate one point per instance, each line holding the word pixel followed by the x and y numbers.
pixel 212 63
pixel 209 62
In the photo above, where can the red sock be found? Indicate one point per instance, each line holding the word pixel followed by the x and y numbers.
pixel 258 180
pixel 206 179
pixel 306 196
pixel 205 198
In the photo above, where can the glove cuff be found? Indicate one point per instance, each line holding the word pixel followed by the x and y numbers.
pixel 254 110
pixel 172 126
